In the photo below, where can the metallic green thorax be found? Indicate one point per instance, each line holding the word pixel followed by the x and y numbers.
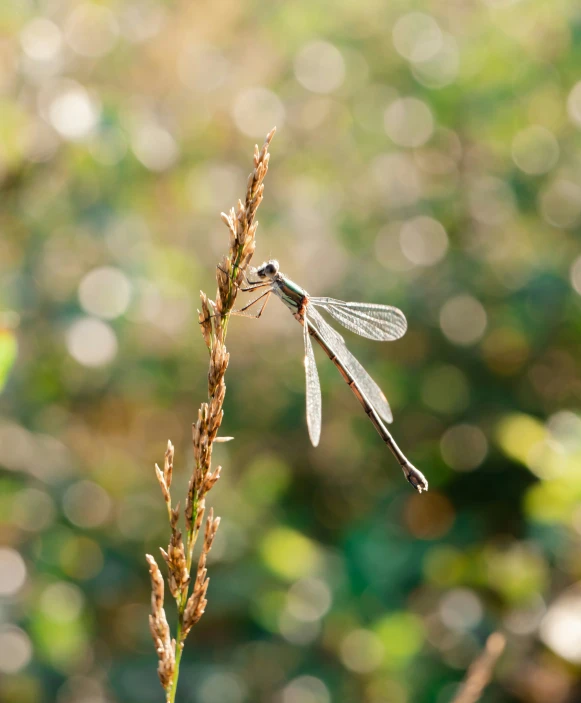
pixel 292 295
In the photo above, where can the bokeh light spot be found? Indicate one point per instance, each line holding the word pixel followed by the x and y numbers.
pixel 444 566
pixel 85 689
pixel 258 110
pixel 203 67
pixel 15 649
pixel 574 104
pixel 12 571
pixel 295 631
pixel 551 501
pixel 73 112
pixel 8 354
pixel 33 510
pixel 309 599
pixel 517 434
pixel 289 553
pixel 417 36
pixel 223 686
pixel 547 459
pixel 142 20
pixel 320 67
pixel 560 203
pixel 491 201
pixel 388 248
pixel 62 601
pixel 397 178
pixel 575 275
pixel 561 627
pixel 86 504
pixel 81 558
pixel 362 651
pixel 423 240
pixel 429 516
pixel 306 689
pixel 91 342
pixel 463 320
pixel 461 609
pixel 105 292
pixel 535 150
pixel 402 636
pixel 526 619
pixel 441 69
pixel 464 447
pixel 91 30
pixel 505 350
pixel 565 427
pixel 409 122
pixel 517 571
pixel 154 146
pixel 41 39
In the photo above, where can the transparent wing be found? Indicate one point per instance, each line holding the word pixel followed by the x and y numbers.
pixel 380 322
pixel 313 390
pixel 367 385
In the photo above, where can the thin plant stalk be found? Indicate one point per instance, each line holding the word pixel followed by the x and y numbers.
pixel 189 589
pixel 481 670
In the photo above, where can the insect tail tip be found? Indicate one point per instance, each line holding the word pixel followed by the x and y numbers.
pixel 415 477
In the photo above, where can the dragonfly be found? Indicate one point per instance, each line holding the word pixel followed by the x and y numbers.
pixel 373 321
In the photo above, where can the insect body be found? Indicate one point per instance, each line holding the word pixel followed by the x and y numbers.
pixel 378 322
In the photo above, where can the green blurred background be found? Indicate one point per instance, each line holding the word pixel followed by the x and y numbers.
pixel 428 156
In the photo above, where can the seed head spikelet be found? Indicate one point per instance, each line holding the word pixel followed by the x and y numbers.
pixel 189 589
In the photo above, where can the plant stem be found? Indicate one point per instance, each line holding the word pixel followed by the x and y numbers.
pixel 189 590
pixel 171 696
pixel 191 539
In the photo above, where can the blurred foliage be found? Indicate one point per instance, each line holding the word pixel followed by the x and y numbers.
pixel 428 155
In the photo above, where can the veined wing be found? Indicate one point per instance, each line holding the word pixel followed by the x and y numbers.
pixel 380 322
pixel 370 389
pixel 313 389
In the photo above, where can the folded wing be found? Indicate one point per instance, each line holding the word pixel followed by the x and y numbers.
pixel 367 385
pixel 313 389
pixel 382 323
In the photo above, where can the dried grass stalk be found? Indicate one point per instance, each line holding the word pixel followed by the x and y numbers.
pixel 213 318
pixel 480 671
pixel 164 645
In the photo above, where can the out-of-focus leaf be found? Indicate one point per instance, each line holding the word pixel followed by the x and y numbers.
pixel 8 354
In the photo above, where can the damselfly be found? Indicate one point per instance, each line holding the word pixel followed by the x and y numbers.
pixel 379 322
